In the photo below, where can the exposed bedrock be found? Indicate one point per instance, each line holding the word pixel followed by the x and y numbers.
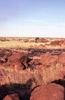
pixel 48 92
pixel 29 72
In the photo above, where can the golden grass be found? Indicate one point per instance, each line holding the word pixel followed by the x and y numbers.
pixel 20 43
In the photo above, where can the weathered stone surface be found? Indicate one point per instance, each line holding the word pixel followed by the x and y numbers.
pixel 48 59
pixel 57 42
pixel 62 58
pixel 34 62
pixel 18 59
pixel 12 97
pixel 47 68
pixel 4 54
pixel 48 92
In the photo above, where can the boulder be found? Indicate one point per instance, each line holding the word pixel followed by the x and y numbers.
pixel 12 97
pixel 48 92
pixel 48 58
pixel 18 59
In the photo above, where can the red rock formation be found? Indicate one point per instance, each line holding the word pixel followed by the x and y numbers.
pixel 62 58
pixel 42 40
pixel 12 97
pixel 58 42
pixel 48 92
pixel 18 59
pixel 4 54
pixel 46 69
pixel 47 58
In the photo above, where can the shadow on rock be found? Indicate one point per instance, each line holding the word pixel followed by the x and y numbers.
pixel 60 82
pixel 23 90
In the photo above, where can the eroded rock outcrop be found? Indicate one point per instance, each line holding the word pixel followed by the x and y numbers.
pixel 31 71
pixel 58 42
pixel 4 54
pixel 12 97
pixel 48 58
pixel 62 58
pixel 18 59
pixel 48 92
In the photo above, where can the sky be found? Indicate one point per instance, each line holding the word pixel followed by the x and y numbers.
pixel 32 18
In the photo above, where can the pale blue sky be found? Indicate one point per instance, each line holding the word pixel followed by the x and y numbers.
pixel 31 18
